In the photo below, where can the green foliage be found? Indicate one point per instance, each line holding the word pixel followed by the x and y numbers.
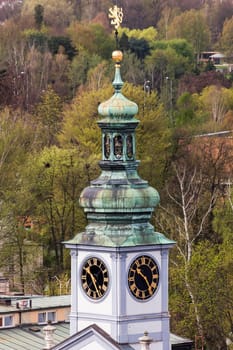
pixel 133 69
pixel 55 42
pixel 98 77
pixel 58 285
pixel 212 294
pixel 124 42
pixel 191 25
pixel 43 41
pixel 49 116
pixel 163 64
pixel 181 46
pixel 226 37
pixel 79 68
pixel 80 123
pixel 217 101
pixel 139 47
pixel 93 38
pixel 57 13
pixel 37 38
pixel 186 110
pixel 56 179
pixel 207 276
pixel 39 16
pixel 149 34
pixel 16 143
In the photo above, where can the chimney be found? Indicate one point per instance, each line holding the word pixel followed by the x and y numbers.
pixel 145 341
pixel 49 336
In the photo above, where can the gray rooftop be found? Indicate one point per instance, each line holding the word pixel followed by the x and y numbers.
pixel 31 337
pixel 28 338
pixel 37 303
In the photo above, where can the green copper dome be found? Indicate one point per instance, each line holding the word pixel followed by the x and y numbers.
pixel 118 106
pixel 119 204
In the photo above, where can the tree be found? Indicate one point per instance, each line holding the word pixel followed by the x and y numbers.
pixel 211 294
pixel 191 25
pixel 139 47
pixel 188 219
pixel 223 225
pixel 202 167
pixel 196 83
pixel 17 140
pixel 181 46
pixel 149 11
pixel 59 74
pixel 27 68
pixel 37 38
pixel 218 13
pixel 226 37
pixel 149 34
pixel 133 69
pixel 163 64
pixel 186 110
pixel 217 101
pixel 168 13
pixel 79 67
pixel 9 8
pixel 56 42
pixel 39 16
pixel 49 116
pixel 92 38
pixel 98 76
pixel 56 179
pixel 57 13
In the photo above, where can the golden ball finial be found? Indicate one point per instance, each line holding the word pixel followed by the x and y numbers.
pixel 117 56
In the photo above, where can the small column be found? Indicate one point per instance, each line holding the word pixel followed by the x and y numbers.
pixel 145 341
pixel 49 336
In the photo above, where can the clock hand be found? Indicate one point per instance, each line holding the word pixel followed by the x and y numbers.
pixel 139 272
pixel 93 280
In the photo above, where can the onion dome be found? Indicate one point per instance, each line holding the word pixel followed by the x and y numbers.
pixel 118 106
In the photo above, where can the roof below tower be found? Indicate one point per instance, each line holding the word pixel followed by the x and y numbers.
pixel 30 337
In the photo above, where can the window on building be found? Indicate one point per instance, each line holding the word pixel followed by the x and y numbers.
pixel 44 317
pixel 6 321
pixel 51 316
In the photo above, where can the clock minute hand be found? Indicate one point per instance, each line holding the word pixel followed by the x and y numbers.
pixel 145 279
pixel 93 280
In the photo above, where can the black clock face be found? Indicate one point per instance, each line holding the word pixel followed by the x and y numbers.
pixel 94 278
pixel 143 277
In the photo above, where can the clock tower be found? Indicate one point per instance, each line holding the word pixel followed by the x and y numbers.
pixel 119 264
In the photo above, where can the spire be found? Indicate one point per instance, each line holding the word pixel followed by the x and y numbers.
pixel 119 204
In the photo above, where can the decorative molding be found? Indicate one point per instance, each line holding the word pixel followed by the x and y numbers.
pixel 74 253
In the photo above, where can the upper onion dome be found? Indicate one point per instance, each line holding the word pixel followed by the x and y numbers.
pixel 118 106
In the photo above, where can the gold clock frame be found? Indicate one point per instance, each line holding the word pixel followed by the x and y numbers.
pixel 143 277
pixel 94 278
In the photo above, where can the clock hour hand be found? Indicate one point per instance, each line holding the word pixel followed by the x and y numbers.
pixel 93 280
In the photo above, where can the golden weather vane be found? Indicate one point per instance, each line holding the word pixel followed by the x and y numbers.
pixel 116 16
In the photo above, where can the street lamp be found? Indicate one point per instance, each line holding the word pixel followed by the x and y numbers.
pixel 146 88
pixel 169 94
